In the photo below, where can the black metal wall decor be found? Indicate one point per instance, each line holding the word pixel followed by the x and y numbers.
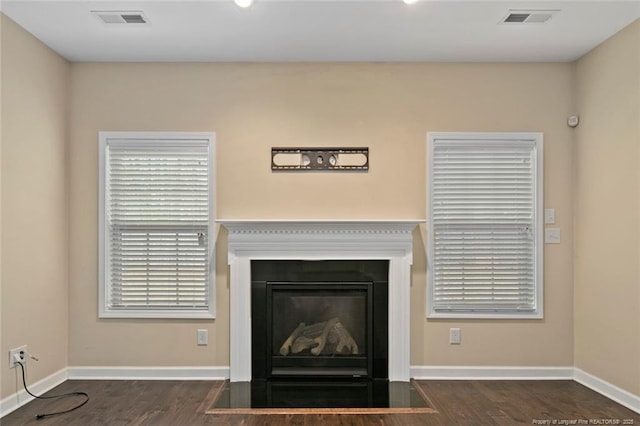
pixel 320 159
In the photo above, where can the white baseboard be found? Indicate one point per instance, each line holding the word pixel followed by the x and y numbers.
pixel 20 398
pixel 148 373
pixel 491 373
pixel 605 388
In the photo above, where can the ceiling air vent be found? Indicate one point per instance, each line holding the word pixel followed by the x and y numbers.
pixel 516 16
pixel 121 17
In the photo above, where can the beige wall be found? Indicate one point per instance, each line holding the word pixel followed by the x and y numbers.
pixel 34 242
pixel 607 202
pixel 253 107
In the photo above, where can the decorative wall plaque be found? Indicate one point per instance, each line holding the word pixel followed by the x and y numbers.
pixel 320 159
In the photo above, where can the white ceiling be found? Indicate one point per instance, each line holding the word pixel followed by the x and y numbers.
pixel 322 30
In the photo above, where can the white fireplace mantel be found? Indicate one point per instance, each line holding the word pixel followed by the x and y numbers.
pixel 319 240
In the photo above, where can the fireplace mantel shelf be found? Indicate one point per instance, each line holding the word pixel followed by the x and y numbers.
pixel 320 240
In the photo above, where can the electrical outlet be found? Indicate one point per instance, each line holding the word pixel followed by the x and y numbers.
pixel 18 354
pixel 454 336
pixel 203 337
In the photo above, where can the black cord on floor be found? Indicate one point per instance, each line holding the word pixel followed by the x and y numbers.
pixel 42 416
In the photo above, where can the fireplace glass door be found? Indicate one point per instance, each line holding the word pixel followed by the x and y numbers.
pixel 319 329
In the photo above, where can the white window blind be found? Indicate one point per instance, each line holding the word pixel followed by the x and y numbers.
pixel 484 208
pixel 157 224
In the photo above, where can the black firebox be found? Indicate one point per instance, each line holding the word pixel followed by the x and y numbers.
pixel 319 320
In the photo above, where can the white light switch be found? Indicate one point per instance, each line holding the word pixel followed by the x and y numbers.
pixel 552 235
pixel 549 216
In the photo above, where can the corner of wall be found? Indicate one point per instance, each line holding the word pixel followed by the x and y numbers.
pixel 33 194
pixel 606 183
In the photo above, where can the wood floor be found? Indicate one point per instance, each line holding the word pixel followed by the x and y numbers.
pixel 457 402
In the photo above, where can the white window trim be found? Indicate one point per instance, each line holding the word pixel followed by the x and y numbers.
pixel 103 310
pixel 537 138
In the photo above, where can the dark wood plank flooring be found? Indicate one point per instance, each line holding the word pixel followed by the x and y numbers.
pixel 457 402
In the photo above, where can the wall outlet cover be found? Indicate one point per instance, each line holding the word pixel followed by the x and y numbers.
pixel 552 235
pixel 203 337
pixel 454 336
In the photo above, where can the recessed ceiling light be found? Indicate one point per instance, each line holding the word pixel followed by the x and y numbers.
pixel 243 3
pixel 410 1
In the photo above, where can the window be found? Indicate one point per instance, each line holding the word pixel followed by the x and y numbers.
pixel 156 221
pixel 485 225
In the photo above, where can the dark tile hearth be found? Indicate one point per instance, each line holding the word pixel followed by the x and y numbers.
pixel 321 396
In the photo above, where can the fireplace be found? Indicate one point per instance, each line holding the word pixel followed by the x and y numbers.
pixel 319 319
pixel 251 242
